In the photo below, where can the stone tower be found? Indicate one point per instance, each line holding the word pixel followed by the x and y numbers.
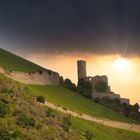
pixel 81 69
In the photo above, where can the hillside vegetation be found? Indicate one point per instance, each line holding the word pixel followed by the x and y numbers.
pixel 21 118
pixel 58 94
pixel 75 102
pixel 12 62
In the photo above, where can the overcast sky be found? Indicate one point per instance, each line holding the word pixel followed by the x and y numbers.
pixel 71 26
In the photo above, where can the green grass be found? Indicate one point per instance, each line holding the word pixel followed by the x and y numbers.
pixel 75 102
pixel 9 61
pixel 103 132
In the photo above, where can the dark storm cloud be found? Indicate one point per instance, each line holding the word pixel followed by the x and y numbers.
pixel 57 26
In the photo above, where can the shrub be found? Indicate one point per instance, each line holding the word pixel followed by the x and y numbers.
pixel 16 112
pixel 68 84
pixel 50 113
pixel 3 109
pixel 6 90
pixel 50 134
pixel 88 135
pixel 11 71
pixel 17 135
pixel 29 73
pixel 136 107
pixel 24 120
pixel 61 80
pixel 4 135
pixel 80 89
pixel 40 99
pixel 33 72
pixel 66 123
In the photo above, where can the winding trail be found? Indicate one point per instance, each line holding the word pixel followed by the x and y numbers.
pixel 111 123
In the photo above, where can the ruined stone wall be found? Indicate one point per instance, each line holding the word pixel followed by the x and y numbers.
pixel 123 100
pixel 99 78
pixel 111 96
pixel 102 95
pixel 36 78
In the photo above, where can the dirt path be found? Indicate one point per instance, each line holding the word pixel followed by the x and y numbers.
pixel 115 124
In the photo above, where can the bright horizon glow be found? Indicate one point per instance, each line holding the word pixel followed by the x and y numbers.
pixel 122 65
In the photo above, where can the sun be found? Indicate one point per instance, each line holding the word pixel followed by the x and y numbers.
pixel 122 64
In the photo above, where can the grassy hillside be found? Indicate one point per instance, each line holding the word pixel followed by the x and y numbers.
pixel 13 62
pixel 58 94
pixel 66 98
pixel 22 118
pixel 104 132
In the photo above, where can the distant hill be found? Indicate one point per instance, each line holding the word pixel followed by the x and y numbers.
pixel 10 61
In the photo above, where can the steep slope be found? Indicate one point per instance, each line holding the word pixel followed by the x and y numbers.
pixel 12 62
pixel 57 94
pixel 22 118
pixel 75 102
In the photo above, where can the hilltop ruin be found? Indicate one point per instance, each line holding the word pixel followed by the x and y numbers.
pixel 100 85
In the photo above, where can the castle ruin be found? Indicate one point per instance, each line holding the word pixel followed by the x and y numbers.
pixel 100 85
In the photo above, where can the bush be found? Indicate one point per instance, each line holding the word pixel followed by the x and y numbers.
pixel 136 107
pixel 88 135
pixel 17 135
pixel 6 90
pixel 24 120
pixel 66 123
pixel 3 109
pixel 50 134
pixel 80 89
pixel 68 84
pixel 40 99
pixel 50 113
pixel 61 80
pixel 4 135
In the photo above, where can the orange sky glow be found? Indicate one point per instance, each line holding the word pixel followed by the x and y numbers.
pixel 123 73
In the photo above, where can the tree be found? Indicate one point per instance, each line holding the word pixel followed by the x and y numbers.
pixel 61 79
pixel 136 107
pixel 68 84
pixel 40 99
